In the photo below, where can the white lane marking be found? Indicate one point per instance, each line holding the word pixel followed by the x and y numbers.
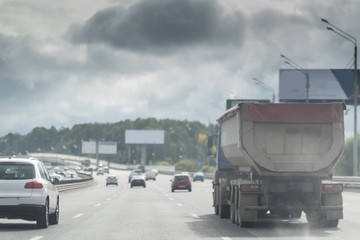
pixel 115 195
pixel 108 199
pixel 179 204
pixel 194 215
pixel 37 238
pixel 78 215
pixel 97 205
pixel 171 198
pixel 225 238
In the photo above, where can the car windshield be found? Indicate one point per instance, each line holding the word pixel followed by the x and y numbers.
pixel 17 171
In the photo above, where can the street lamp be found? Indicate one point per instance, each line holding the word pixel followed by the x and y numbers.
pixel 351 39
pixel 297 67
pixel 266 87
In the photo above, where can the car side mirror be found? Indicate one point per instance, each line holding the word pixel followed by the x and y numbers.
pixel 55 181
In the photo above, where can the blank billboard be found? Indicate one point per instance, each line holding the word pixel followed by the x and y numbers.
pixel 88 147
pixel 325 85
pixel 141 137
pixel 107 147
pixel 104 147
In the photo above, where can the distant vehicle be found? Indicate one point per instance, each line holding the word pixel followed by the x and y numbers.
pixel 150 175
pixel 134 173
pixel 71 174
pixel 199 176
pixel 137 180
pixel 89 169
pixel 180 182
pixel 142 168
pixel 155 171
pixel 27 192
pixel 111 180
pixel 100 171
pixel 86 162
pixel 106 170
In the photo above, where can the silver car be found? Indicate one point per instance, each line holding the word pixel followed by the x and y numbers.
pixel 27 192
pixel 111 180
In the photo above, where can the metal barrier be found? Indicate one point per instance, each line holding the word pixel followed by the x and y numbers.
pixel 71 184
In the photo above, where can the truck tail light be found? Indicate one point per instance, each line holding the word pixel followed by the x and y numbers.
pixel 34 185
pixel 250 188
pixel 333 187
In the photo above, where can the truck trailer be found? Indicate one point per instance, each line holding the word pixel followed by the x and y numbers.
pixel 275 160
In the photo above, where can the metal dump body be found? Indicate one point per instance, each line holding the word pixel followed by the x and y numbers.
pixel 283 139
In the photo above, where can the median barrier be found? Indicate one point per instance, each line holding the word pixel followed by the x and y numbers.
pixel 70 184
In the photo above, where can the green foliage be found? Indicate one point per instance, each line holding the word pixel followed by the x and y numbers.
pixel 345 165
pixel 208 169
pixel 162 163
pixel 185 165
pixel 181 140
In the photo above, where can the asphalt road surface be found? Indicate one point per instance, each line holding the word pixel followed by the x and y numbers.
pixel 154 212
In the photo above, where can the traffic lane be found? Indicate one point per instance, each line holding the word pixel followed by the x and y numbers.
pixel 265 228
pixel 197 219
pixel 137 213
pixel 74 205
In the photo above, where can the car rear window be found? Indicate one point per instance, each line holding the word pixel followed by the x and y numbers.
pixel 16 171
pixel 181 177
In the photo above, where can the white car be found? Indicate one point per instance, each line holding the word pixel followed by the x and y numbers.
pixel 27 192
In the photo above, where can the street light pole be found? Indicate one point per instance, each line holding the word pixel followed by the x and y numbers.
pixel 351 39
pixel 297 67
pixel 266 87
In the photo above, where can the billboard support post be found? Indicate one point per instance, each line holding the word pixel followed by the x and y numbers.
pixel 144 138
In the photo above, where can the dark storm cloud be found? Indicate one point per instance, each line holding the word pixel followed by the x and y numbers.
pixel 161 25
pixel 24 72
pixel 274 25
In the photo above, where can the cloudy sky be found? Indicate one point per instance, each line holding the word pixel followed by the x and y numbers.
pixel 85 61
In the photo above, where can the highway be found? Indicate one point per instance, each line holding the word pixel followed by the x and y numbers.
pixel 154 212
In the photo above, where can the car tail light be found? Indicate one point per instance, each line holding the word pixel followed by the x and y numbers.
pixel 189 180
pixel 34 185
pixel 250 188
pixel 333 187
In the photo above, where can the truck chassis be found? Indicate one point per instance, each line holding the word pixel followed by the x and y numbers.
pixel 245 200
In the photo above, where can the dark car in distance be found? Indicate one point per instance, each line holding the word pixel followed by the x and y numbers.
pixel 180 182
pixel 199 176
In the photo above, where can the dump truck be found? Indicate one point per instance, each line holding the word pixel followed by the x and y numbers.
pixel 275 160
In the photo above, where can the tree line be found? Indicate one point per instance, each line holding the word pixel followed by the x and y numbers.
pixel 184 141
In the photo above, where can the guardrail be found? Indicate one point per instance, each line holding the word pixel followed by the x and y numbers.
pixel 71 184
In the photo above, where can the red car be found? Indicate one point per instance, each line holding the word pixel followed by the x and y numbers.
pixel 180 181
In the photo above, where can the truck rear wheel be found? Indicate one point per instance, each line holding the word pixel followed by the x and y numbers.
pixel 316 218
pixel 332 223
pixel 232 213
pixel 224 209
pixel 216 209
